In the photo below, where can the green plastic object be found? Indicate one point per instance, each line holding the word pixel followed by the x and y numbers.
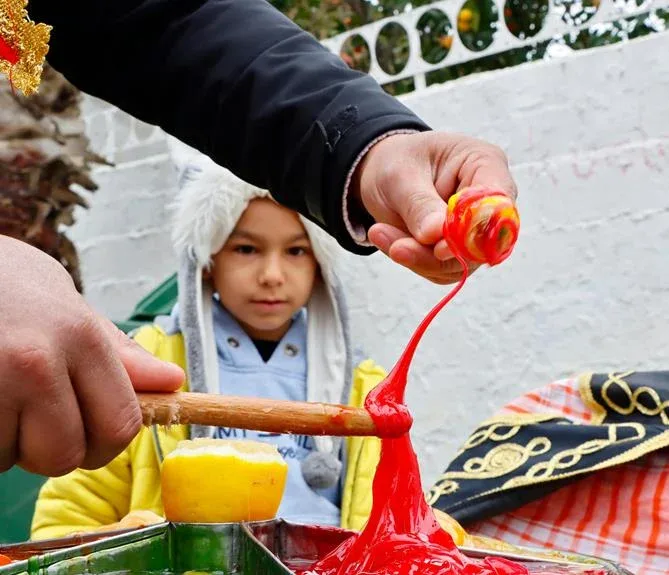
pixel 18 493
pixel 159 302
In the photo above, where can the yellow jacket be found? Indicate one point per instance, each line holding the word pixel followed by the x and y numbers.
pixel 89 500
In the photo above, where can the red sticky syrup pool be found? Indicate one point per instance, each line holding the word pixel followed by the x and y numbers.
pixel 403 536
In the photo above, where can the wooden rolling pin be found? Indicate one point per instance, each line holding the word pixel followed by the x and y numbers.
pixel 269 415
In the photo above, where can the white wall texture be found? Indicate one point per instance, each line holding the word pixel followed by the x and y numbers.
pixel 586 289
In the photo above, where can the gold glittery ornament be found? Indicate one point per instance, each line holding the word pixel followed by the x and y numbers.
pixel 23 46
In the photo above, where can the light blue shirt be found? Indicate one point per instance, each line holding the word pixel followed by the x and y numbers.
pixel 243 372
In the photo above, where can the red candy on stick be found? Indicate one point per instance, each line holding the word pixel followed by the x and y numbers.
pixel 403 535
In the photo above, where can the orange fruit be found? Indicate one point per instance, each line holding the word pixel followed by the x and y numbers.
pixel 465 19
pixel 446 41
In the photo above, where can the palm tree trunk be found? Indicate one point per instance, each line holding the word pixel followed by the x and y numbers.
pixel 43 154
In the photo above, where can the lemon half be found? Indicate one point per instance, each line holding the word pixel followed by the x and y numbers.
pixel 222 481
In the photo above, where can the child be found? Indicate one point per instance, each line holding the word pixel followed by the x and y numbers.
pixel 260 314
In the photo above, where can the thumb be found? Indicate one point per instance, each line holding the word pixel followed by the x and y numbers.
pixel 146 372
pixel 423 212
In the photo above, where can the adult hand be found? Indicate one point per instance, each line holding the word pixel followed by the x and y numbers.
pixel 404 182
pixel 66 375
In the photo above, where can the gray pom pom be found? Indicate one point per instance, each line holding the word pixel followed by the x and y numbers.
pixel 321 470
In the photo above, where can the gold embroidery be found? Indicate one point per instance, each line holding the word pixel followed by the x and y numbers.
pixel 503 459
pixel 570 457
pixel 653 444
pixel 520 419
pixel 441 487
pixel 659 407
pixel 499 461
pixel 29 40
pixel 585 389
pixel 482 435
pixel 488 430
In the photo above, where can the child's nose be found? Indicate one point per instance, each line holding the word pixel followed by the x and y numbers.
pixel 271 272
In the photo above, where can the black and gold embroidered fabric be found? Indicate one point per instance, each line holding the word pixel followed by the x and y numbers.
pixel 512 460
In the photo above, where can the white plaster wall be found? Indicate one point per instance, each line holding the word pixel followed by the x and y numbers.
pixel 586 289
pixel 123 239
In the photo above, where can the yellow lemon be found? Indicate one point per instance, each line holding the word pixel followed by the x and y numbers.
pixel 222 481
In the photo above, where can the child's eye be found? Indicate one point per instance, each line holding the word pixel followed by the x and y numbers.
pixel 297 251
pixel 245 249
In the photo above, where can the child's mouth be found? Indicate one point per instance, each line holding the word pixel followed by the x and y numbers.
pixel 268 304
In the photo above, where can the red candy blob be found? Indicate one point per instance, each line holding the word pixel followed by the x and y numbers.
pixel 481 226
pixel 403 536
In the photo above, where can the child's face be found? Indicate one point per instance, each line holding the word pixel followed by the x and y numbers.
pixel 266 270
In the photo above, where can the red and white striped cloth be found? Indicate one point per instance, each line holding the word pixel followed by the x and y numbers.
pixel 621 514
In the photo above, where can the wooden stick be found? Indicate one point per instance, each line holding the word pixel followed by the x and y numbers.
pixel 258 414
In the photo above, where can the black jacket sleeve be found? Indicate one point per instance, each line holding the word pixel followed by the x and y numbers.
pixel 236 80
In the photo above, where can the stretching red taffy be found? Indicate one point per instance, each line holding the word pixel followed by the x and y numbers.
pixel 403 536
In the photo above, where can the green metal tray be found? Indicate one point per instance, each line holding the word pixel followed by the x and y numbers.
pixel 264 548
pixel 163 548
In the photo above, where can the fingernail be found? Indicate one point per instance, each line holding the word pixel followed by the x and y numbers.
pixel 442 252
pixel 175 369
